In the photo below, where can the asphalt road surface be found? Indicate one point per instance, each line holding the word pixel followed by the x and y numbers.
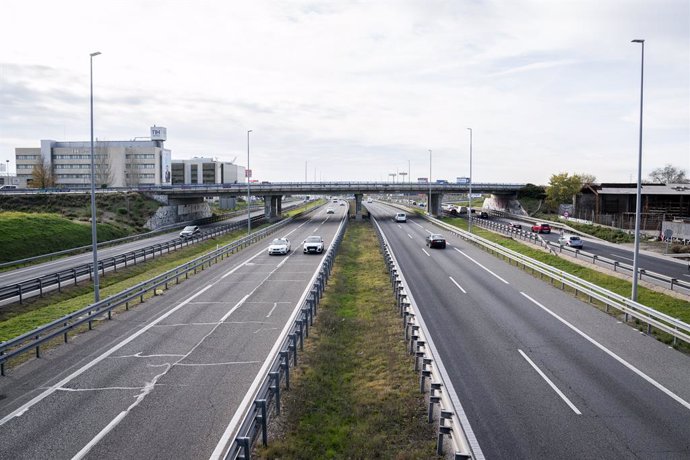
pixel 539 373
pixel 165 379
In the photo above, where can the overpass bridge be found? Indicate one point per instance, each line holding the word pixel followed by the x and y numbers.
pixel 273 192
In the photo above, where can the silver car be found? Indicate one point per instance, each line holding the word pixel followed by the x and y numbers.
pixel 573 241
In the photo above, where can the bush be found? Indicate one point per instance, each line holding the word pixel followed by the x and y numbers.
pixel 122 211
pixel 680 249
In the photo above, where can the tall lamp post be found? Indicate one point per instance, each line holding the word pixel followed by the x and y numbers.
pixel 638 201
pixel 429 202
pixel 249 177
pixel 469 193
pixel 94 233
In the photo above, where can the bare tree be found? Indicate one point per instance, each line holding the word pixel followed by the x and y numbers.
pixel 103 168
pixel 669 174
pixel 42 175
pixel 131 168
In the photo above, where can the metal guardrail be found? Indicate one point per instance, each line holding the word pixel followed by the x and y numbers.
pixel 61 327
pixel 653 318
pixel 75 274
pixel 258 405
pixel 614 265
pixel 453 427
pixel 104 244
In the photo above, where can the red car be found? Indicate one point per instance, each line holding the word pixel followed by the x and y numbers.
pixel 541 228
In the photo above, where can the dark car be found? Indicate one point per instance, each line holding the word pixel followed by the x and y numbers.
pixel 436 241
pixel 541 228
pixel 484 215
pixel 516 225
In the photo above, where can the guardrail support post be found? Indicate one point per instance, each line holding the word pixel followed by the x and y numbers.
pixel 2 365
pixel 299 333
pixel 261 404
pixel 293 347
pixel 285 364
pixel 433 399
pixel 244 445
pixel 275 376
pixel 305 316
pixel 443 430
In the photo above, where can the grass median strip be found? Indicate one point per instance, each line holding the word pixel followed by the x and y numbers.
pixel 355 394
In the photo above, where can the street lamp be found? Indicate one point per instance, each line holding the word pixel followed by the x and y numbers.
pixel 392 175
pixel 94 233
pixel 249 176
pixel 469 194
pixel 428 205
pixel 638 201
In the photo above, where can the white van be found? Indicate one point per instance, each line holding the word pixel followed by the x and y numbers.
pixel 401 217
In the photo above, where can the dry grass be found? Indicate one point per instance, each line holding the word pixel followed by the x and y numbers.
pixel 355 394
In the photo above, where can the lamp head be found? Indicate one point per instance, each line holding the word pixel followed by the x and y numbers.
pixel 95 54
pixel 638 40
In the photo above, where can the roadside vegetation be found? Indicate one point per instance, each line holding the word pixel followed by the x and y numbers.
pixel 31 234
pixel 355 393
pixel 16 319
pixel 675 307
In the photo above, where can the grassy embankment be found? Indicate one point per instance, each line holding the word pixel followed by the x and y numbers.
pixel 17 319
pixel 31 234
pixel 678 308
pixel 355 394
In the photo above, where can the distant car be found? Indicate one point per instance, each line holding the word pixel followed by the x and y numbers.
pixel 369 200
pixel 189 231
pixel 436 241
pixel 541 228
pixel 422 205
pixel 484 215
pixel 279 246
pixel 573 241
pixel 313 244
pixel 516 225
pixel 330 211
pixel 342 203
pixel 400 217
pixel 8 187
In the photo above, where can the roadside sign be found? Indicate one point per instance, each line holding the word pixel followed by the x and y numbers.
pixel 247 173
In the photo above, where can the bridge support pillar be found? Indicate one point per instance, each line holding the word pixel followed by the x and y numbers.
pixel 434 203
pixel 273 207
pixel 358 206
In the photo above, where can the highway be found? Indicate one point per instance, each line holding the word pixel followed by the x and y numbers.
pixel 651 262
pixel 539 373
pixel 164 379
pixel 23 274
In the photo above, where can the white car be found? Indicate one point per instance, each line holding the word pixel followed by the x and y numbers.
pixel 330 211
pixel 313 243
pixel 369 200
pixel 189 231
pixel 279 246
pixel 401 217
pixel 573 241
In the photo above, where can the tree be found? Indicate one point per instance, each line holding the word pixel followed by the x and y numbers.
pixel 669 175
pixel 42 175
pixel 562 188
pixel 103 169
pixel 586 178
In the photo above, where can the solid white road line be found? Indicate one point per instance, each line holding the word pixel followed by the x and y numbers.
pixel 482 266
pixel 551 384
pixel 275 304
pixel 456 283
pixel 659 386
pixel 620 257
pixel 424 250
pixel 409 235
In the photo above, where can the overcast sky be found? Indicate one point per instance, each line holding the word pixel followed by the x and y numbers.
pixel 358 89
